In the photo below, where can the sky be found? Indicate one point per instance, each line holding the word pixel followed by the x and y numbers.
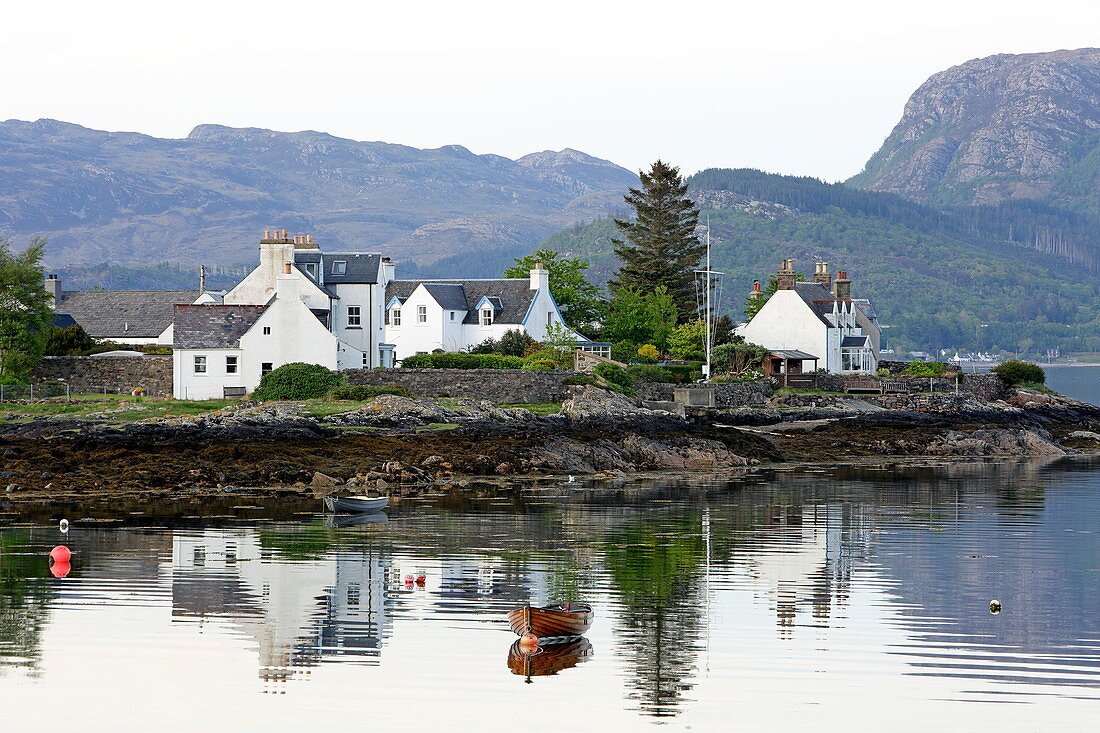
pixel 808 88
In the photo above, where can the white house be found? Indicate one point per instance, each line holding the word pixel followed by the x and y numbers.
pixel 423 316
pixel 819 319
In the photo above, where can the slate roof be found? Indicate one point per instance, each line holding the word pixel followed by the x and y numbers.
pixel 63 320
pixel 361 268
pixel 514 294
pixel 818 298
pixel 123 313
pixel 213 326
pixel 853 341
pixel 865 306
pixel 313 280
pixel 793 354
pixel 450 296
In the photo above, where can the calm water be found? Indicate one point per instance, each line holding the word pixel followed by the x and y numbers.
pixel 1080 382
pixel 838 600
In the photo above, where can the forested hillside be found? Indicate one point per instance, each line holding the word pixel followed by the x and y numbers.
pixel 967 278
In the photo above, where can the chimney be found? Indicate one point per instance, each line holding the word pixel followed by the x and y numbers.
pixel 785 276
pixel 53 289
pixel 388 271
pixel 540 277
pixel 267 234
pixel 202 279
pixel 756 293
pixel 842 288
pixel 821 275
pixel 286 268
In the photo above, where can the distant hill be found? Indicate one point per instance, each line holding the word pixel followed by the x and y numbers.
pixel 1005 127
pixel 131 199
pixel 936 275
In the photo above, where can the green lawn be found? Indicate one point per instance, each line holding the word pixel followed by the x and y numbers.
pixel 539 408
pixel 143 407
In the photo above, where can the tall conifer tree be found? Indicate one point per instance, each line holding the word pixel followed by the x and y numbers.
pixel 659 247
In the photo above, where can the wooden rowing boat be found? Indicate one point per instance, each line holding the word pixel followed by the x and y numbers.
pixel 549 621
pixel 549 659
pixel 355 504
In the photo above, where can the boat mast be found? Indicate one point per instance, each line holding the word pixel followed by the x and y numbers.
pixel 708 327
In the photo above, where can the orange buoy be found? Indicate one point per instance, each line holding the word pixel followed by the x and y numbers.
pixel 528 643
pixel 61 554
pixel 60 568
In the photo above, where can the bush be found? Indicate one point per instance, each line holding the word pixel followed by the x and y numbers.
pixel 614 375
pixel 652 373
pixel 462 361
pixel 362 392
pixel 296 381
pixel 557 358
pixel 649 352
pixel 1015 371
pixel 513 342
pixel 925 369
pixel 70 341
pixel 624 351
pixel 544 365
pixel 580 379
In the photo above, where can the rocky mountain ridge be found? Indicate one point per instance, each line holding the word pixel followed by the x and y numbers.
pixel 1004 127
pixel 127 198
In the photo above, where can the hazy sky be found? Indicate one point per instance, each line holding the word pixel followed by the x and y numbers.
pixel 793 87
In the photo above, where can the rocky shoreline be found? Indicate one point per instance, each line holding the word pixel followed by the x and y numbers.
pixel 406 447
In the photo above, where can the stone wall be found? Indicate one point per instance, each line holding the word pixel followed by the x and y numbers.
pixel 496 385
pixel 116 374
pixel 726 394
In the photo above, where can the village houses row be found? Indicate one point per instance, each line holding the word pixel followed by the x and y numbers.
pixel 347 310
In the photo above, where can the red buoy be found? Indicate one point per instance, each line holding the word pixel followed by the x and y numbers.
pixel 61 554
pixel 60 568
pixel 528 643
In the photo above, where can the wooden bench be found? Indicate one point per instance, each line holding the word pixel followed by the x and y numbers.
pixel 863 385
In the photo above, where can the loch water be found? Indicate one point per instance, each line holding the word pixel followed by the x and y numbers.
pixel 825 599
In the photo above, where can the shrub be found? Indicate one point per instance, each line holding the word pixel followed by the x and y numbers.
pixel 925 369
pixel 624 351
pixel 462 361
pixel 579 379
pixel 544 365
pixel 652 373
pixel 688 340
pixel 557 358
pixel 296 381
pixel 615 375
pixel 1015 371
pixel 69 341
pixel 684 373
pixel 363 392
pixel 649 351
pixel 738 356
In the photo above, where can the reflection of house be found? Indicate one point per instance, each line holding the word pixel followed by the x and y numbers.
pixel 296 612
pixel 819 319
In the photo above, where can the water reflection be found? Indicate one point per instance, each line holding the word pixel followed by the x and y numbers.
pixel 877 574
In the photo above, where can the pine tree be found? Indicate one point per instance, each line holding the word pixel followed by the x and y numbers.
pixel 659 248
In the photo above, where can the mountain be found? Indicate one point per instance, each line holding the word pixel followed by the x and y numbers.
pixel 131 199
pixel 1001 128
pixel 939 278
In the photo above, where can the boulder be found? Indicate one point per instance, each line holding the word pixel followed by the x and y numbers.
pixel 993 442
pixel 321 480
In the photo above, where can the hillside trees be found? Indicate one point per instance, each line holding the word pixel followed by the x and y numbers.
pixel 25 310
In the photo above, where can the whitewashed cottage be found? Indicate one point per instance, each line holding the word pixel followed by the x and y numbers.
pixel 816 321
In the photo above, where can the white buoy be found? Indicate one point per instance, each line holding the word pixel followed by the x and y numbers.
pixel 572 479
pixel 994 606
pixel 64 526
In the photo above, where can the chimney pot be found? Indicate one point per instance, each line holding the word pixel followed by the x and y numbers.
pixel 785 276
pixel 286 268
pixel 267 234
pixel 309 239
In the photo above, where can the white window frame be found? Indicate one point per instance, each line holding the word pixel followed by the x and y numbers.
pixel 198 364
pixel 339 267
pixel 311 269
pixel 549 318
pixel 355 320
pixel 421 314
pixel 232 364
pixel 366 359
pixel 395 317
pixel 266 366
pixel 487 315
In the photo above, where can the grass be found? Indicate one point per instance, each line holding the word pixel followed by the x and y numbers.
pixel 144 407
pixel 539 408
pixel 324 408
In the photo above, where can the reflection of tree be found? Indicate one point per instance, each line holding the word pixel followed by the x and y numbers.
pixel 655 568
pixel 24 603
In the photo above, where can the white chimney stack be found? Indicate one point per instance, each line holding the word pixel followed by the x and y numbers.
pixel 53 288
pixel 540 278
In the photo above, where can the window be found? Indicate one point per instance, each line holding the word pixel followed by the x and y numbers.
pixel 421 314
pixel 486 316
pixel 267 330
pixel 339 267
pixel 311 269
pixel 856 360
pixel 265 367
pixel 354 317
pixel 230 365
pixel 395 317
pixel 200 365
pixel 452 315
pixel 549 318
pixel 366 360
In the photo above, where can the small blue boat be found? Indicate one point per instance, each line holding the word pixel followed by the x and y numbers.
pixel 356 504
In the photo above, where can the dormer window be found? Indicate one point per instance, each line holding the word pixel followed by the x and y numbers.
pixel 486 316
pixel 395 317
pixel 340 267
pixel 311 269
